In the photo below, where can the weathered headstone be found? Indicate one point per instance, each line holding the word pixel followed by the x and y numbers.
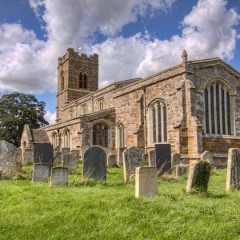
pixel 233 169
pixel 152 159
pixel 111 160
pixel 57 157
pixel 10 160
pixel 95 163
pixel 181 170
pixel 43 153
pixel 40 172
pixel 120 155
pixel 59 176
pixel 65 150
pixel 146 182
pixel 70 161
pixel 132 158
pixel 198 176
pixel 176 159
pixel 145 158
pixel 163 157
pixel 27 156
pixel 207 156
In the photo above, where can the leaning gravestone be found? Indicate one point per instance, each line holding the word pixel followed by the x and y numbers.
pixel 40 172
pixel 43 153
pixel 95 163
pixel 233 169
pixel 146 182
pixel 59 176
pixel 10 160
pixel 163 157
pixel 132 158
pixel 198 176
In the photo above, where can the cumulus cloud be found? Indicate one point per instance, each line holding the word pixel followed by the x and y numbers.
pixel 29 64
pixel 50 117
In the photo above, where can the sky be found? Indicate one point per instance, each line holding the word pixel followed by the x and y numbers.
pixel 134 38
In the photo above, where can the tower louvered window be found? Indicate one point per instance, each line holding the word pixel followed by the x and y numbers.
pixel 83 80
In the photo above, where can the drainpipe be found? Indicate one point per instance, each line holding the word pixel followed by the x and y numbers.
pixel 145 119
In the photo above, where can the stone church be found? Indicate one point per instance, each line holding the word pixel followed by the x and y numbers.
pixel 194 106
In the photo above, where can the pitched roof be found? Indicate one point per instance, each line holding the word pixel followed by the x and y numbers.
pixel 40 136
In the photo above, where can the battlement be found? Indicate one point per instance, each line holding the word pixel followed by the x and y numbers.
pixel 93 58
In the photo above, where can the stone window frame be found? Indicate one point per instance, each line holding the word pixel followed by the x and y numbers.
pixel 160 135
pixel 214 91
pixel 120 135
pixel 66 138
pixel 83 80
pixel 100 103
pixel 54 139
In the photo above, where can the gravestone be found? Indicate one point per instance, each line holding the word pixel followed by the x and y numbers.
pixel 111 160
pixel 95 163
pixel 176 159
pixel 207 156
pixel 65 150
pixel 146 182
pixel 198 176
pixel 145 158
pixel 233 169
pixel 40 172
pixel 57 157
pixel 181 170
pixel 27 156
pixel 152 159
pixel 132 158
pixel 43 153
pixel 59 176
pixel 120 151
pixel 10 160
pixel 163 157
pixel 70 161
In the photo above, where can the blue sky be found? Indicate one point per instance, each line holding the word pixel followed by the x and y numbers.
pixel 134 38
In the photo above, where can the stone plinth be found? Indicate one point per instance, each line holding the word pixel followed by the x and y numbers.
pixel 146 182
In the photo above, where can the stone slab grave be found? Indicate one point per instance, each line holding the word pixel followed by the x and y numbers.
pixel 152 159
pixel 111 160
pixel 198 176
pixel 132 158
pixel 70 161
pixel 59 176
pixel 146 182
pixel 95 163
pixel 40 172
pixel 43 153
pixel 233 169
pixel 10 160
pixel 163 158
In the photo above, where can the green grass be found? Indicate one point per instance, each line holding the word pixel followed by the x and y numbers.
pixel 110 211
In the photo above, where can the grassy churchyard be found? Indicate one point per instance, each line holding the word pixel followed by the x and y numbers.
pixel 90 210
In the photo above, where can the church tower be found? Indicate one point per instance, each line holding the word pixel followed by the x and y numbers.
pixel 77 77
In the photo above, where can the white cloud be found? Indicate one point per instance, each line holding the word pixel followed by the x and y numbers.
pixel 29 64
pixel 50 117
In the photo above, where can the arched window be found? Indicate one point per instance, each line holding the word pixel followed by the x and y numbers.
pixel 217 102
pixel 120 135
pixel 62 80
pixel 54 139
pixel 100 134
pixel 82 80
pixel 158 122
pixel 66 138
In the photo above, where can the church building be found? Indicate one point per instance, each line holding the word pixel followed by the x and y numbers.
pixel 194 106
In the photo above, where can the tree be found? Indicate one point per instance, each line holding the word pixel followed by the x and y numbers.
pixel 16 110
